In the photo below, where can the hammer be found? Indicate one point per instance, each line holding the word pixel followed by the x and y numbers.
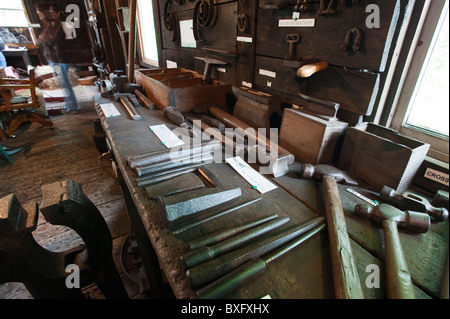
pixel 345 274
pixel 410 201
pixel 399 283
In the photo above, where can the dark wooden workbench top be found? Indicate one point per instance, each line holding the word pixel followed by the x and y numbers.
pixel 301 273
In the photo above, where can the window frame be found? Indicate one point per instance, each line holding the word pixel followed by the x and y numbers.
pixel 431 18
pixel 25 13
pixel 140 37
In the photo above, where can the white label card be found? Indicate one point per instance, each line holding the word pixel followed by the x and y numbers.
pixel 437 176
pixel 268 73
pixel 166 136
pixel 259 182
pixel 109 109
pixel 296 23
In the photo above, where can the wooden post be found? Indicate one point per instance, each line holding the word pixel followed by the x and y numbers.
pixel 131 40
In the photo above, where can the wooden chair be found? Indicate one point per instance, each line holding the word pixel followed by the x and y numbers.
pixel 20 107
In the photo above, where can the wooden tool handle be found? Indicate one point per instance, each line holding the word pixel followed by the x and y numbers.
pixel 345 274
pixel 399 283
pixel 309 69
pixel 232 121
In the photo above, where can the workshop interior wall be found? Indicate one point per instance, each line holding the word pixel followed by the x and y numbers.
pixel 248 36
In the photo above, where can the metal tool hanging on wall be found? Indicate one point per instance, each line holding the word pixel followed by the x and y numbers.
pixel 171 20
pixel 329 10
pixel 353 35
pixel 204 15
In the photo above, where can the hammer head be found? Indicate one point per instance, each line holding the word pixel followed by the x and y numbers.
pixel 318 171
pixel 413 221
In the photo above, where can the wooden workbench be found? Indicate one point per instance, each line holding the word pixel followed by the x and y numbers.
pixel 304 272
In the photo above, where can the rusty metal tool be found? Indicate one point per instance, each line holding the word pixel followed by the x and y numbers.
pixel 292 39
pixel 328 10
pixel 441 199
pixel 211 270
pixel 166 175
pixel 303 6
pixel 328 104
pixel 355 35
pixel 345 275
pixel 209 63
pixel 226 233
pixel 206 253
pixel 250 270
pixel 399 282
pixel 175 185
pixel 309 171
pixel 173 115
pixel 186 227
pixel 181 206
pixel 147 170
pixel 167 155
pixel 132 98
pixel 414 202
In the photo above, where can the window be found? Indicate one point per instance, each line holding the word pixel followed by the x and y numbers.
pixel 147 33
pixel 422 110
pixel 12 14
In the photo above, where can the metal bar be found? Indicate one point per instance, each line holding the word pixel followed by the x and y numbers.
pixel 218 236
pixel 203 254
pixel 207 219
pixel 213 269
pixel 250 270
pixel 162 166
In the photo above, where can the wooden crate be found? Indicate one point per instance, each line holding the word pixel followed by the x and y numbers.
pixel 310 138
pixel 183 89
pixel 377 156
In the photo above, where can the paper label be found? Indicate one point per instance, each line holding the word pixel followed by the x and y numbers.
pixel 166 136
pixel 268 73
pixel 109 110
pixel 258 182
pixel 436 176
pixel 244 39
pixel 296 23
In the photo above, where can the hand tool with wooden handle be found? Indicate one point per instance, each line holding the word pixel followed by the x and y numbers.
pixel 309 69
pixel 399 283
pixel 345 275
pixel 130 108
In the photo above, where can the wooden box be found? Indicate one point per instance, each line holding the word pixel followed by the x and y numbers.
pixel 377 156
pixel 310 138
pixel 183 89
